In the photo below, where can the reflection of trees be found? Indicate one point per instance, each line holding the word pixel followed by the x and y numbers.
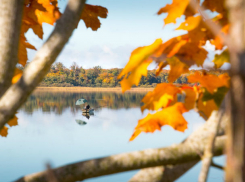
pixel 57 102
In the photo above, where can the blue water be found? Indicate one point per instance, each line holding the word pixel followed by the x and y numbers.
pixel 42 137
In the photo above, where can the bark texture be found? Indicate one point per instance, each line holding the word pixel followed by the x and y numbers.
pixel 37 69
pixel 207 158
pixel 185 152
pixel 236 130
pixel 167 173
pixel 171 173
pixel 10 23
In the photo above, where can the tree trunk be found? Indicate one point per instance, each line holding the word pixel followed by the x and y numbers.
pixel 236 135
pixel 10 23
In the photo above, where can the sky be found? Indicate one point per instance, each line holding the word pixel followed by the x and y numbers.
pixel 129 24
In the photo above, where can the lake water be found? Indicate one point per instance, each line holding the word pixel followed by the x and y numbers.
pixel 47 132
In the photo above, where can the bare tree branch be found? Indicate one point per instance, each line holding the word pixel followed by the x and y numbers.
pixel 179 154
pixel 10 23
pixel 50 175
pixel 37 69
pixel 207 158
pixel 176 154
pixel 217 166
pixel 167 173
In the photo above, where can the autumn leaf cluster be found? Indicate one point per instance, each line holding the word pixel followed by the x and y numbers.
pixel 180 53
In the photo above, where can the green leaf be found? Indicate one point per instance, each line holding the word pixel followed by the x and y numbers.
pixel 222 58
pixel 217 96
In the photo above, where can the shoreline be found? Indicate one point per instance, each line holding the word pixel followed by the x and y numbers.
pixel 90 89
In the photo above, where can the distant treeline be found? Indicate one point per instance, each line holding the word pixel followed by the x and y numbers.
pixel 60 76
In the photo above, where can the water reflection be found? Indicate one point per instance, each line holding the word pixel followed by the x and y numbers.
pixel 57 102
pixel 51 128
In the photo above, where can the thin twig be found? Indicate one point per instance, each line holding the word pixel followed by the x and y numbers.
pixel 217 166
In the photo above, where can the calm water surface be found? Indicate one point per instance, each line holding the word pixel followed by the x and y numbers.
pixel 47 132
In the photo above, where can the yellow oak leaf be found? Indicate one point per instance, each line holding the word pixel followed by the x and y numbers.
pixel 13 121
pixel 137 65
pixel 176 68
pixel 171 116
pixel 209 81
pixel 160 97
pixel 135 76
pixel 138 56
pixel 17 75
pixel 4 131
pixel 190 23
pixel 174 10
pixel 90 16
pixel 222 58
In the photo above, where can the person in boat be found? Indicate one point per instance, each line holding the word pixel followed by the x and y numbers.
pixel 87 107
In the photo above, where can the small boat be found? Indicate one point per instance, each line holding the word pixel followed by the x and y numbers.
pixel 88 111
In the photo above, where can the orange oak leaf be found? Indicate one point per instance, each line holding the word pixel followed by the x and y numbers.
pixel 17 75
pixel 209 81
pixel 190 23
pixel 43 11
pixel 90 16
pixel 4 131
pixel 205 108
pixel 217 41
pixel 160 97
pixel 190 97
pixel 28 22
pixel 22 53
pixel 185 50
pixel 176 48
pixel 174 10
pixel 171 116
pixel 161 65
pixel 192 54
pixel 13 121
pixel 176 68
pixel 217 5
